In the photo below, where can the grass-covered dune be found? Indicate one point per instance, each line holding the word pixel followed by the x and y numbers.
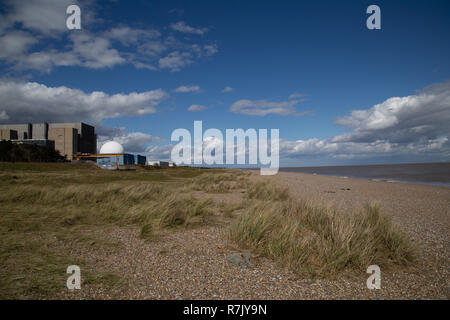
pixel 50 210
pixel 315 241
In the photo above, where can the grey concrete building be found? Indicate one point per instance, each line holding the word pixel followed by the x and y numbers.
pixel 68 138
pixel 87 139
pixel 24 131
pixel 65 139
pixel 8 134
pixel 39 131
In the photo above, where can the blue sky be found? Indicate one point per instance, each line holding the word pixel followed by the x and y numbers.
pixel 299 66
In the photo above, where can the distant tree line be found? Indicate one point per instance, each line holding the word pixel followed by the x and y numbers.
pixel 13 152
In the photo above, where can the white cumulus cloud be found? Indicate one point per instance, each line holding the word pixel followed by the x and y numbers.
pixel 32 33
pixel 133 142
pixel 34 102
pixel 411 127
pixel 402 119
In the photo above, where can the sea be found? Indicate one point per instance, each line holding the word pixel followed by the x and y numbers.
pixel 437 174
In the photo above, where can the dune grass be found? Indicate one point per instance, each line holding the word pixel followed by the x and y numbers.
pixel 46 209
pixel 265 190
pixel 218 181
pixel 321 242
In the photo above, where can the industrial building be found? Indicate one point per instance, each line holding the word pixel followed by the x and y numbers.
pixel 142 160
pixel 8 134
pixel 20 131
pixel 123 159
pixel 74 140
pixel 160 163
pixel 68 138
pixel 112 154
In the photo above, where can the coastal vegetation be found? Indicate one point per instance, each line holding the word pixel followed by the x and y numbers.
pixel 51 211
pixel 317 241
pixel 14 152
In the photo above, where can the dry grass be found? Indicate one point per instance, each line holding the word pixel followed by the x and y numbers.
pixel 173 211
pixel 230 210
pixel 265 190
pixel 218 182
pixel 47 208
pixel 321 242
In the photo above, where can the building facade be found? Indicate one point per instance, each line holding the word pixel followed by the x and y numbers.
pixel 87 139
pixel 160 163
pixel 68 138
pixel 23 130
pixel 141 159
pixel 124 159
pixel 8 134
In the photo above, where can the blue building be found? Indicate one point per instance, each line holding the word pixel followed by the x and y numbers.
pixel 140 159
pixel 124 159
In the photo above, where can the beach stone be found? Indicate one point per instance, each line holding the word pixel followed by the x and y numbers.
pixel 240 259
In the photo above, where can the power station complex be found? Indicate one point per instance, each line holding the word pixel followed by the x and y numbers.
pixel 68 138
pixel 74 140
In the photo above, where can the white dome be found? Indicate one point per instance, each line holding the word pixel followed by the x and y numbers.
pixel 111 147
